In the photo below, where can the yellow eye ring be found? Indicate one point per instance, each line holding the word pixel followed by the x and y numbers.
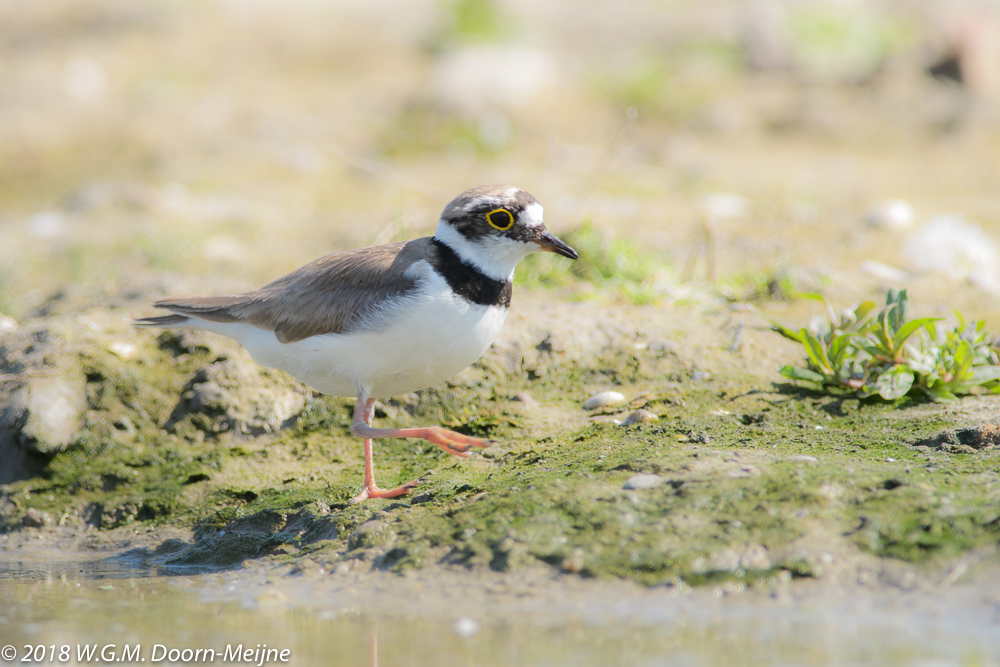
pixel 498 221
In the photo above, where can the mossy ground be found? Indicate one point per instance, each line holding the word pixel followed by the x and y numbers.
pixel 757 480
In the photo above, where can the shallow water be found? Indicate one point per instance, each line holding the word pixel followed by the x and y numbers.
pixel 71 608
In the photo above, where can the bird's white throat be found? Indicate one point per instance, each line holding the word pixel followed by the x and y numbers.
pixel 494 256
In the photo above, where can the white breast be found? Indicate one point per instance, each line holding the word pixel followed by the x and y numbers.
pixel 415 342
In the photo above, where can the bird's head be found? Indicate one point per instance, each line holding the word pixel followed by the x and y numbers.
pixel 495 226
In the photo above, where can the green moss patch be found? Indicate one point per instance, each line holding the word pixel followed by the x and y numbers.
pixel 736 480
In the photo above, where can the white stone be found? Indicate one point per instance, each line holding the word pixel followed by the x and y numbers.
pixel 894 214
pixel 602 399
pixel 643 480
pixel 466 626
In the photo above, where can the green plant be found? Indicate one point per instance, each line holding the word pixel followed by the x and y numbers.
pixel 886 354
pixel 776 283
pixel 617 266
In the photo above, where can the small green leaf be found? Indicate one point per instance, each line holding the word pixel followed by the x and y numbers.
pixel 886 332
pixel 861 312
pixel 894 382
pixel 964 356
pixel 838 348
pixel 816 351
pixel 983 374
pixel 932 331
pixel 872 348
pixel 940 394
pixel 786 332
pixel 803 374
pixel 909 329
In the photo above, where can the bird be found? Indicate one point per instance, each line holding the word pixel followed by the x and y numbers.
pixel 387 320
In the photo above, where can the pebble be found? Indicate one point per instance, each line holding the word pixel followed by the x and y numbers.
pixel 894 214
pixel 124 349
pixel 8 324
pixel 574 563
pixel 643 480
pixel 47 225
pixel 950 246
pixel 640 417
pixel 602 399
pixel 466 626
pixel 755 557
pixel 724 206
pixel 885 271
pixel 804 458
pixel 525 398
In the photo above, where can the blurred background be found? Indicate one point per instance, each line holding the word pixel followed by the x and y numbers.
pixel 709 150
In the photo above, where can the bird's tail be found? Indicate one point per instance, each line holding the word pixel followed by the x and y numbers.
pixel 161 321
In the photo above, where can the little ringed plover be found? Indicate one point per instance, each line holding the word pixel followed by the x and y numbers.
pixel 387 320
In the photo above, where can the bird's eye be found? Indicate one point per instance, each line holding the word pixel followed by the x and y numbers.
pixel 500 218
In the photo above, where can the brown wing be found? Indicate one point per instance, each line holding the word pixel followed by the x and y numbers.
pixel 328 295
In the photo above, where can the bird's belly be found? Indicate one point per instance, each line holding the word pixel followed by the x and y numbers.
pixel 415 345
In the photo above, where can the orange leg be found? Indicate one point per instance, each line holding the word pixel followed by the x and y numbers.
pixel 449 441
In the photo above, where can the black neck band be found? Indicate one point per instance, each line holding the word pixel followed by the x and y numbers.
pixel 469 282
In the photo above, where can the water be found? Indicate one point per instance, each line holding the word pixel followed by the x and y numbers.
pixel 75 610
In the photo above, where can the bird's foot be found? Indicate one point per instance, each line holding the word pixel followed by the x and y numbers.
pixel 448 440
pixel 452 442
pixel 373 491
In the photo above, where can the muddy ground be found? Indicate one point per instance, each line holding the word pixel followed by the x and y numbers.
pixel 732 475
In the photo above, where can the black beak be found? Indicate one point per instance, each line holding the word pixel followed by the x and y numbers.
pixel 551 243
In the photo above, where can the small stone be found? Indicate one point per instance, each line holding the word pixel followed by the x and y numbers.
pixel 125 425
pixel 123 348
pixel 526 399
pixel 8 324
pixel 466 626
pixel 724 206
pixel 724 560
pixel 602 399
pixel 573 564
pixel 894 214
pixel 884 271
pixel 830 491
pixel 803 458
pixel 640 417
pixel 643 481
pixel 755 557
pixel 55 408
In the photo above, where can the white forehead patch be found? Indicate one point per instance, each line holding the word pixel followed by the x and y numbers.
pixel 532 215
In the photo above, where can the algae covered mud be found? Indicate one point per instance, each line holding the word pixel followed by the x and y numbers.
pixel 726 477
pixel 737 514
